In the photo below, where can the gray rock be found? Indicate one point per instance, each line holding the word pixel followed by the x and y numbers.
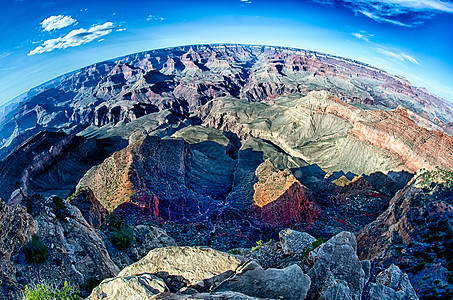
pixel 193 263
pixel 148 238
pixel 253 280
pixel 76 251
pixel 143 286
pixel 16 229
pixel 294 242
pixel 395 279
pixel 382 292
pixel 336 271
pixel 223 295
pixel 366 266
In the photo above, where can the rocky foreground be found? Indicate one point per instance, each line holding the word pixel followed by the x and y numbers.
pixel 329 271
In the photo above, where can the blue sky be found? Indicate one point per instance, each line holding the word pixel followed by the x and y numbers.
pixel 41 40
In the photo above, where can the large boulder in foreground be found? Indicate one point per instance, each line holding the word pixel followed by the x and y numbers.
pixel 336 272
pixel 144 286
pixel 288 283
pixel 193 263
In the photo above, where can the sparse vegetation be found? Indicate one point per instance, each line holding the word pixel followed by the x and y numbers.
pixel 121 238
pixel 35 251
pixel 259 244
pixel 59 208
pixel 45 291
pixel 318 242
pixel 119 233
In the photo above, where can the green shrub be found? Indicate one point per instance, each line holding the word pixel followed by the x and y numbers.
pixel 35 251
pixel 44 291
pixel 318 242
pixel 59 208
pixel 121 238
pixel 259 244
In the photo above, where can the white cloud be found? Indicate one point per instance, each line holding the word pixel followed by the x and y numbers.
pixel 398 55
pixel 57 22
pixel 121 29
pixel 154 18
pixel 74 38
pixel 406 13
pixel 363 36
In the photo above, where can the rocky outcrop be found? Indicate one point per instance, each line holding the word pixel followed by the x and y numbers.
pixel 392 283
pixel 294 242
pixel 195 264
pixel 16 229
pixel 253 280
pixel 144 286
pixel 90 207
pixel 75 250
pixel 148 238
pixel 280 199
pixel 336 272
pixel 415 233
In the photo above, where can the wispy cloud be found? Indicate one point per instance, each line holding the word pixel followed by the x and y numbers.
pixel 57 22
pixel 246 1
pixel 154 18
pixel 406 13
pixel 121 29
pixel 74 38
pixel 392 53
pixel 363 36
pixel 398 55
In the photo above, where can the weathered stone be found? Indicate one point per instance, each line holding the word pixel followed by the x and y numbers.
pixel 395 279
pixel 193 263
pixel 90 207
pixel 253 280
pixel 16 229
pixel 336 271
pixel 148 238
pixel 143 286
pixel 294 242
pixel 224 295
pixel 76 252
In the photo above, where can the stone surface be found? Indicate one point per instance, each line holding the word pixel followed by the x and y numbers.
pixel 143 286
pixel 253 280
pixel 148 238
pixel 395 279
pixel 193 263
pixel 76 252
pixel 294 242
pixel 90 207
pixel 336 272
pixel 16 229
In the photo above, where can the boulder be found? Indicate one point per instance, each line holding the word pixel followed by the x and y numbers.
pixel 253 280
pixel 392 283
pixel 336 272
pixel 143 286
pixel 193 263
pixel 148 238
pixel 295 242
pixel 222 295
